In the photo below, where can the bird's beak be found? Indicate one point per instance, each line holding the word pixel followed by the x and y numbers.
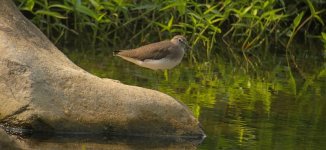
pixel 187 45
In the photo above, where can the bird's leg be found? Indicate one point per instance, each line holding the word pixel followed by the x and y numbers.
pixel 166 75
pixel 157 78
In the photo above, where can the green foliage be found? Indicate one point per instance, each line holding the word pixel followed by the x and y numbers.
pixel 323 39
pixel 243 26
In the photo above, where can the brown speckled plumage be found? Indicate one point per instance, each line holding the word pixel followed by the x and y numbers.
pixel 151 51
pixel 167 51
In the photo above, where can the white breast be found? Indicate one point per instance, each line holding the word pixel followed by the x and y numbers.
pixel 155 64
pixel 167 62
pixel 160 64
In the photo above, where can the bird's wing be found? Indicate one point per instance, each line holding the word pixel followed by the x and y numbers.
pixel 157 50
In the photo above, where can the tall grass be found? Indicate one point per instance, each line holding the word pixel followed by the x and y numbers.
pixel 243 26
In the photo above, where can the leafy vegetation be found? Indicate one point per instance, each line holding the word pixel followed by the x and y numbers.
pixel 233 29
pixel 275 105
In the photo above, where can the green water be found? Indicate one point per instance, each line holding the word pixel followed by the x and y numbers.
pixel 270 108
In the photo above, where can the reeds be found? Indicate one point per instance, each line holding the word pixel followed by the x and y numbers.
pixel 243 27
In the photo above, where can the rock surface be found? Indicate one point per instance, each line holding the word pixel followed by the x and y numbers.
pixel 42 90
pixel 7 142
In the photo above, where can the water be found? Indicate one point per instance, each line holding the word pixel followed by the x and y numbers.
pixel 238 109
pixel 268 109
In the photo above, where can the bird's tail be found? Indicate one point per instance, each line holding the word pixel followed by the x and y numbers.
pixel 115 53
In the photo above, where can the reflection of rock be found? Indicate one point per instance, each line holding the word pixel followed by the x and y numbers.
pixel 81 141
pixel 7 142
pixel 42 90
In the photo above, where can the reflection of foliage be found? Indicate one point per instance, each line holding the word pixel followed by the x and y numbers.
pixel 204 84
pixel 234 106
pixel 323 38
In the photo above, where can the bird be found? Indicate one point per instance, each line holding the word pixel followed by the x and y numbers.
pixel 157 56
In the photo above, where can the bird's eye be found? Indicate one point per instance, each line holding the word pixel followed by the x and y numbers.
pixel 180 40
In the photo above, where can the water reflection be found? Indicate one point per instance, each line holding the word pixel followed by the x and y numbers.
pixel 97 141
pixel 271 109
pixel 268 109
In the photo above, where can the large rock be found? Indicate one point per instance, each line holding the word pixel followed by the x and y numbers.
pixel 42 90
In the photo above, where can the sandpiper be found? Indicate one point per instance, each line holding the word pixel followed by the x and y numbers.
pixel 157 56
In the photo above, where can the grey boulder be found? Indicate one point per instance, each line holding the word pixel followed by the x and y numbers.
pixel 42 90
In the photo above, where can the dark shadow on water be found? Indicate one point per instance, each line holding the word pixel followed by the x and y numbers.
pixel 29 140
pixel 65 140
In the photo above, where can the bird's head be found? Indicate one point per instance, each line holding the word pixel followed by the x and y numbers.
pixel 180 40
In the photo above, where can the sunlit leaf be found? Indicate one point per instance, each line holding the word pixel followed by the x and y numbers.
pixel 65 7
pixel 254 12
pixel 181 6
pixel 168 6
pixel 292 83
pixel 319 19
pixel 86 11
pixel 235 10
pixel 29 5
pixel 272 12
pixel 170 22
pixel 96 5
pixel 185 25
pixel 216 29
pixel 163 26
pixel 246 10
pixel 99 18
pixel 322 73
pixel 323 35
pixel 197 16
pixel 311 7
pixel 266 3
pixel 210 9
pixel 297 20
pixel 50 13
